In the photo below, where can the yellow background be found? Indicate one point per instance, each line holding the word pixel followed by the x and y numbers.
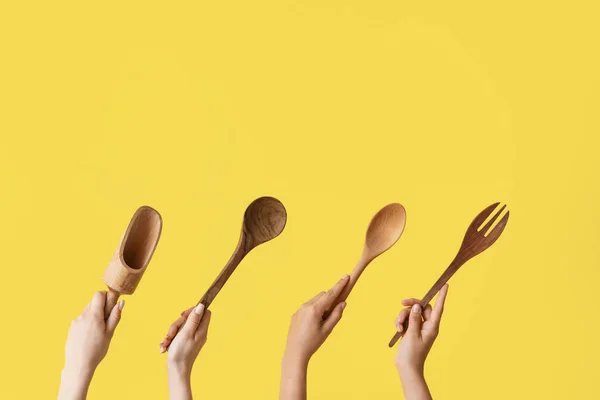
pixel 337 108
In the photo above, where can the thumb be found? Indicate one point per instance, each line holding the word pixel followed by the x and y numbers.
pixel 334 317
pixel 415 321
pixel 193 320
pixel 114 317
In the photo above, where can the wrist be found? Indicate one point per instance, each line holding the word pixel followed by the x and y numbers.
pixel 292 361
pixel 411 373
pixel 179 369
pixel 78 372
pixel 180 381
pixel 75 381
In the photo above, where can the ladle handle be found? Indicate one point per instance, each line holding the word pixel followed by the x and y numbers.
pixel 214 289
pixel 437 286
pixel 111 299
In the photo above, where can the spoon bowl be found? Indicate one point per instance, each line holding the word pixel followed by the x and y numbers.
pixel 385 229
pixel 264 219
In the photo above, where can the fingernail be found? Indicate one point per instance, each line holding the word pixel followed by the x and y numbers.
pixel 416 308
pixel 344 277
pixel 198 310
pixel 343 305
pixel 162 349
pixel 121 304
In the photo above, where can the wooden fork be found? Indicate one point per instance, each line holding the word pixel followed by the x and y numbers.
pixel 475 242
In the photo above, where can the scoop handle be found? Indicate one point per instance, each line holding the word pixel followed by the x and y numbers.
pixel 111 299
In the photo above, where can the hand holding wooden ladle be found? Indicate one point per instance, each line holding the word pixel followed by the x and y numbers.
pixel 264 219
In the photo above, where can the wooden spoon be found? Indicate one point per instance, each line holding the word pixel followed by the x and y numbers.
pixel 475 241
pixel 383 232
pixel 132 256
pixel 264 220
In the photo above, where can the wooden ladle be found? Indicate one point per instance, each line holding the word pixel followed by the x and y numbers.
pixel 132 256
pixel 264 219
pixel 476 240
pixel 383 232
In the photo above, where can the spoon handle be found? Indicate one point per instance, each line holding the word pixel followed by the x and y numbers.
pixel 237 256
pixel 437 286
pixel 354 275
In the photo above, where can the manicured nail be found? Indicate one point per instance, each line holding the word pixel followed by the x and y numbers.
pixel 198 310
pixel 416 308
pixel 121 304
pixel 343 305
pixel 162 349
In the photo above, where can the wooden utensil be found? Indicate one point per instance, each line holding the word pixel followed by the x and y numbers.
pixel 264 220
pixel 475 241
pixel 383 232
pixel 132 256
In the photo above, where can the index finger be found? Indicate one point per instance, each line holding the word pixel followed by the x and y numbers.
pixel 328 301
pixel 97 304
pixel 438 309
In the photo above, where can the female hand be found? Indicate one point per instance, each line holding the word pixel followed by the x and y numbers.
pixel 90 336
pixel 183 352
pixel 308 330
pixel 173 329
pixel 87 344
pixel 189 341
pixel 422 331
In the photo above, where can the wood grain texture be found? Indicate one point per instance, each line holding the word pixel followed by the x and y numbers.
pixel 133 254
pixel 475 241
pixel 383 232
pixel 264 219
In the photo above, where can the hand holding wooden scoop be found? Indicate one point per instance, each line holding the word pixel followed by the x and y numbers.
pixel 264 220
pixel 132 256
pixel 383 232
pixel 476 241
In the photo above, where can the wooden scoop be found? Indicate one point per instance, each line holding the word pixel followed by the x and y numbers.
pixel 383 232
pixel 477 239
pixel 264 220
pixel 132 256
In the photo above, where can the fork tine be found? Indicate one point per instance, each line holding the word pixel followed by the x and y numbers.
pixel 495 233
pixel 482 216
pixel 491 221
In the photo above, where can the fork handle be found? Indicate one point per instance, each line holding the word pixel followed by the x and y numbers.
pixel 437 286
